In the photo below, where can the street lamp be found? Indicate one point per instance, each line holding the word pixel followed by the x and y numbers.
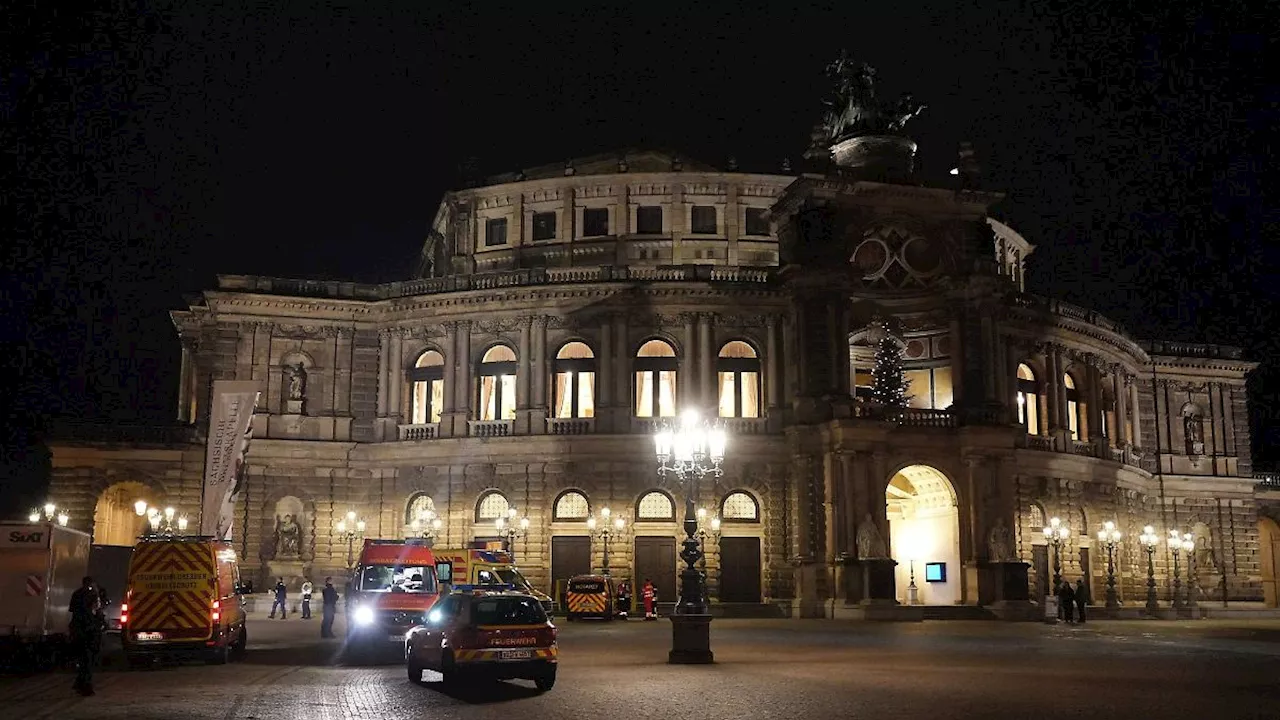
pixel 350 528
pixel 1193 589
pixel 162 522
pixel 1057 534
pixel 510 529
pixel 689 452
pixel 1149 540
pixel 606 530
pixel 707 530
pixel 1109 537
pixel 51 513
pixel 1175 545
pixel 425 525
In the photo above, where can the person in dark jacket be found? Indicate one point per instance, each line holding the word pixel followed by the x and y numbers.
pixel 1067 602
pixel 281 595
pixel 87 624
pixel 328 608
pixel 1082 599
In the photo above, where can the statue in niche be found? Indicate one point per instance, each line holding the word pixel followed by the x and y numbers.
pixel 1206 557
pixel 1193 429
pixel 297 377
pixel 1000 543
pixel 870 542
pixel 288 537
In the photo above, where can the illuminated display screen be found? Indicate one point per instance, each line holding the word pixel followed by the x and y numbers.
pixel 935 572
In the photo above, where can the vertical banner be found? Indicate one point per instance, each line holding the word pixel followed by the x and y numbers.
pixel 230 428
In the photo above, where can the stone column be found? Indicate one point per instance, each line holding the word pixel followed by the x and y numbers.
pixel 540 367
pixel 462 373
pixel 604 378
pixel 384 355
pixel 773 369
pixel 1135 417
pixel 396 380
pixel 686 381
pixel 1052 378
pixel 956 336
pixel 524 381
pixel 622 375
pixel 1095 399
pixel 1121 393
pixel 450 364
pixel 706 377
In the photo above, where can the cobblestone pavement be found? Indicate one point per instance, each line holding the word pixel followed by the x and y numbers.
pixel 765 669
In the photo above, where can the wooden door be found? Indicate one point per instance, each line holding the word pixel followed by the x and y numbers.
pixel 740 569
pixel 1086 574
pixel 570 555
pixel 1040 561
pixel 656 561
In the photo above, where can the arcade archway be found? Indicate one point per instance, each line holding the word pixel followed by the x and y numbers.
pixel 114 520
pixel 924 533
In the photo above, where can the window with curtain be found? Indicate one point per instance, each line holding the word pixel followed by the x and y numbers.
pixel 491 506
pixel 496 384
pixel 1073 405
pixel 655 505
pixel 739 380
pixel 427 379
pixel 1028 399
pixel 655 370
pixel 575 375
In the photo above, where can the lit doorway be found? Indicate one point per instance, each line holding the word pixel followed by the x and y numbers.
pixel 115 522
pixel 924 533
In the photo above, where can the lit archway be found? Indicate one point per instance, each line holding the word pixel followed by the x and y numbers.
pixel 114 520
pixel 1269 552
pixel 924 531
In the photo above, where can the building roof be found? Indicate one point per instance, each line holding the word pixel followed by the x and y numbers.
pixel 634 159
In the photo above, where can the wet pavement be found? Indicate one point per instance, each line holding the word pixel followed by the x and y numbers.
pixel 764 669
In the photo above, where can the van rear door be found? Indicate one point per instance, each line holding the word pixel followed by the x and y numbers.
pixel 171 592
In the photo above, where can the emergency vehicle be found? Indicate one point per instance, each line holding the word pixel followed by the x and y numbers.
pixel 482 566
pixel 41 565
pixel 183 600
pixel 590 596
pixel 392 588
pixel 485 632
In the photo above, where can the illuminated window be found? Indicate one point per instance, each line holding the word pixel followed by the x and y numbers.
pixel 656 505
pixel 420 507
pixel 1035 517
pixel 496 384
pixel 491 506
pixel 929 387
pixel 862 382
pixel 740 507
pixel 1073 405
pixel 572 505
pixel 655 373
pixel 739 370
pixel 575 373
pixel 1028 399
pixel 427 378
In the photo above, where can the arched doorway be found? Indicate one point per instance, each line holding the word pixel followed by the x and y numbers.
pixel 1269 550
pixel 114 520
pixel 924 532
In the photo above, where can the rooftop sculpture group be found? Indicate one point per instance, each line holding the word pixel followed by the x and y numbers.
pixel 853 109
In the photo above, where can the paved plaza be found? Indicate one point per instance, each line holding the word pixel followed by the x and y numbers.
pixel 765 669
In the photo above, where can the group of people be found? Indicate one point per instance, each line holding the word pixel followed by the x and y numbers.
pixel 1072 601
pixel 648 598
pixel 328 603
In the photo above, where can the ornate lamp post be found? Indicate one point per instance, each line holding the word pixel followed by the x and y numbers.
pixel 50 513
pixel 162 522
pixel 350 528
pixel 1175 546
pixel 690 452
pixel 1057 534
pixel 511 529
pixel 1149 540
pixel 707 530
pixel 1193 587
pixel 1109 538
pixel 425 525
pixel 606 530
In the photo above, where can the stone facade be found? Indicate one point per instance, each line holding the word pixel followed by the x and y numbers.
pixel 1025 408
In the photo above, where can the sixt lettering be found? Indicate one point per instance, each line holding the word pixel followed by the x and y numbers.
pixel 17 536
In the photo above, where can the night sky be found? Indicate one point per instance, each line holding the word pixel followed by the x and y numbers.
pixel 159 144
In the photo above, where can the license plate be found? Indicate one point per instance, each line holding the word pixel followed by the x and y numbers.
pixel 396 637
pixel 516 654
pixel 145 636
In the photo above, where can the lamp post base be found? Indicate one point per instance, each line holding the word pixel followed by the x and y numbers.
pixel 690 640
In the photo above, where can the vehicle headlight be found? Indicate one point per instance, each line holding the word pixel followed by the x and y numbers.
pixel 364 615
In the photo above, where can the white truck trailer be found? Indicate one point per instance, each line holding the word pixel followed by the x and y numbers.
pixel 41 565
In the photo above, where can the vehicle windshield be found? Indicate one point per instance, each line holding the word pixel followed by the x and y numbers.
pixel 507 611
pixel 512 576
pixel 398 578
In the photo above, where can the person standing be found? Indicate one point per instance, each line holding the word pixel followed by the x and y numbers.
pixel 649 596
pixel 306 600
pixel 624 599
pixel 1082 599
pixel 281 595
pixel 328 608
pixel 87 624
pixel 1067 601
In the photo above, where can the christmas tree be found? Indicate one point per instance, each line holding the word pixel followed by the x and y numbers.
pixel 889 384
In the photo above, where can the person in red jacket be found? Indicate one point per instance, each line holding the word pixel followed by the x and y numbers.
pixel 650 598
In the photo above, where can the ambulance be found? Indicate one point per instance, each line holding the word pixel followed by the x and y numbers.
pixel 392 588
pixel 479 567
pixel 183 601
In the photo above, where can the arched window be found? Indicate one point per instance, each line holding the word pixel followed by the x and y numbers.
pixel 1035 517
pixel 427 378
pixel 1028 399
pixel 656 365
pixel 739 507
pixel 575 373
pixel 421 508
pixel 739 369
pixel 655 506
pixel 1073 405
pixel 571 505
pixel 496 384
pixel 491 506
